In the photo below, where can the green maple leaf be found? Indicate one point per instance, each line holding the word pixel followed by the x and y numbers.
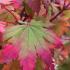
pixel 30 37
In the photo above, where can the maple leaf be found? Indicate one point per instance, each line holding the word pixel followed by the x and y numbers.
pixel 28 29
pixel 34 42
pixel 31 61
pixel 34 5
pixel 8 53
pixel 32 39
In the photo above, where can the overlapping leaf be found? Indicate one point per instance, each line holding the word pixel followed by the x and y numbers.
pixel 34 4
pixel 31 36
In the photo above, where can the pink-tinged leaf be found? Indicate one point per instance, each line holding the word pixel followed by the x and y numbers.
pixel 45 54
pixel 53 38
pixel 46 57
pixel 2 30
pixel 16 3
pixel 31 41
pixel 9 52
pixel 5 1
pixel 34 5
pixel 2 27
pixel 28 63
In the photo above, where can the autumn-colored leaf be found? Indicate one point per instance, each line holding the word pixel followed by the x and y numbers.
pixel 61 27
pixel 14 65
pixel 34 5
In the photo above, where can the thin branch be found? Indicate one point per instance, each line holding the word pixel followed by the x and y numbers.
pixel 9 11
pixel 54 17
